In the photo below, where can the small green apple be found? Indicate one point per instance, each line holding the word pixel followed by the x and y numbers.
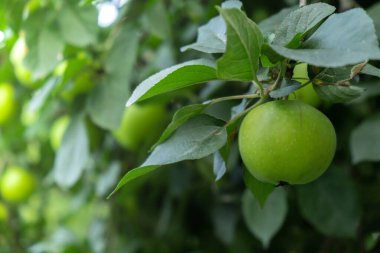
pixel 17 184
pixel 7 102
pixel 306 94
pixel 141 125
pixel 57 131
pixel 18 53
pixel 286 141
pixel 3 213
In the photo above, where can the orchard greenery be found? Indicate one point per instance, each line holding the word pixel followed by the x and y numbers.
pixel 265 55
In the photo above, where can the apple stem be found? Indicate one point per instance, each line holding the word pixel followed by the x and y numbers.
pixel 302 3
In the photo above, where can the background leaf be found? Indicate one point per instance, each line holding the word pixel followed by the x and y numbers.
pixel 338 93
pixel 259 189
pixel 73 153
pixel 365 141
pixel 330 204
pixel 264 222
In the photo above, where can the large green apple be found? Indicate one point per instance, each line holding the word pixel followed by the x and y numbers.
pixel 286 141
pixel 7 102
pixel 17 184
pixel 141 125
pixel 306 94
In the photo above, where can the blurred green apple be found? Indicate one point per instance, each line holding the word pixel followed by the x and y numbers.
pixel 18 53
pixel 17 184
pixel 7 102
pixel 3 213
pixel 57 131
pixel 141 126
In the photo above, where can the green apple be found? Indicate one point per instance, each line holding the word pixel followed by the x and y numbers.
pixel 17 184
pixel 57 131
pixel 141 125
pixel 18 53
pixel 306 94
pixel 286 141
pixel 7 102
pixel 82 84
pixel 3 213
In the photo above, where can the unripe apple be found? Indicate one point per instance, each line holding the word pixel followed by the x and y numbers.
pixel 17 184
pixel 306 94
pixel 7 102
pixel 3 213
pixel 57 131
pixel 141 125
pixel 19 51
pixel 286 142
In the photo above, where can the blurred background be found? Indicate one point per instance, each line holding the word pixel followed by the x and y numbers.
pixel 66 139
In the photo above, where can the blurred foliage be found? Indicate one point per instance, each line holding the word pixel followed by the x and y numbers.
pixel 63 65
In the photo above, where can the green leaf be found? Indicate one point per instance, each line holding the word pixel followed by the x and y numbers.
pixel 286 88
pixel 110 95
pixel 174 78
pixel 264 222
pixel 78 24
pixel 219 167
pixel 197 138
pixel 180 117
pixel 330 204
pixel 371 70
pixel 271 24
pixel 211 37
pixel 73 153
pixel 329 76
pixel 259 189
pixel 244 40
pixel 338 42
pixel 374 13
pixel 338 93
pixel 156 20
pixel 300 22
pixel 44 44
pixel 365 141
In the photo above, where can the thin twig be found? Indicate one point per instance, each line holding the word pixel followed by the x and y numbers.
pixel 302 3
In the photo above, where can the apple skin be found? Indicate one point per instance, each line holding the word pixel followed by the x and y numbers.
pixel 286 142
pixel 141 126
pixel 17 184
pixel 306 94
pixel 7 102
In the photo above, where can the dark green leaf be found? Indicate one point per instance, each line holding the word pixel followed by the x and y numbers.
pixel 110 95
pixel 330 204
pixel 374 13
pixel 197 138
pixel 338 42
pixel 174 78
pixel 365 141
pixel 338 93
pixel 73 153
pixel 78 24
pixel 264 222
pixel 260 190
pixel 156 20
pixel 244 40
pixel 300 22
